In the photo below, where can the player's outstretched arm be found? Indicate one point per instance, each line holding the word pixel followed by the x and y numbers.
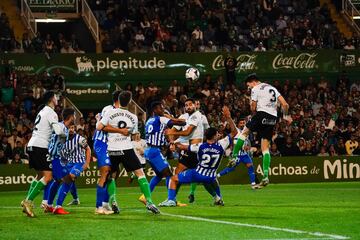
pixel 58 129
pixel 186 132
pixel 227 115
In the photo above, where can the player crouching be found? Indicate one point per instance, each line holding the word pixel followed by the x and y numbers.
pixel 78 154
pixel 209 155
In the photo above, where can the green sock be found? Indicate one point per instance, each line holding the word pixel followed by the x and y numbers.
pixel 193 188
pixel 145 188
pixel 239 144
pixel 36 190
pixel 111 188
pixel 266 163
pixel 32 185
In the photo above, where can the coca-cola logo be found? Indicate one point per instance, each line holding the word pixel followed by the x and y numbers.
pixel 244 62
pixel 301 61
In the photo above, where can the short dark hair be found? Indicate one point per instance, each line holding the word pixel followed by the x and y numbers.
pixel 251 77
pixel 115 95
pixel 190 99
pixel 67 112
pixel 124 98
pixel 210 133
pixel 48 96
pixel 154 105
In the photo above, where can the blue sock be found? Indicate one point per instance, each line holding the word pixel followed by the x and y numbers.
pixel 63 191
pixel 167 181
pixel 52 192
pixel 251 174
pixel 73 191
pixel 46 190
pixel 153 182
pixel 172 194
pixel 217 189
pixel 106 195
pixel 100 193
pixel 226 171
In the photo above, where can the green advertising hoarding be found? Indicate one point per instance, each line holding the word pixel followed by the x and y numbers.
pixel 283 170
pixel 161 68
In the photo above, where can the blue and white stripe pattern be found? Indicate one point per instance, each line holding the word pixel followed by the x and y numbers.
pixel 101 135
pixel 57 142
pixel 209 156
pixel 74 149
pixel 154 129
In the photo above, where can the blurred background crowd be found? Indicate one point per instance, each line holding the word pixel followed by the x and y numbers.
pixel 196 26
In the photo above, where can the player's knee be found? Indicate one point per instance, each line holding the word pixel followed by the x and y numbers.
pixel 139 172
pixel 248 165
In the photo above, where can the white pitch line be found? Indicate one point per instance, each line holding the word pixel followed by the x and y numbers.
pixel 318 234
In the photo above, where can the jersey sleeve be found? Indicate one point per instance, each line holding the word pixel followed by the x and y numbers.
pixel 105 119
pixel 225 142
pixel 164 120
pixel 277 93
pixel 135 128
pixel 194 147
pixel 194 120
pixel 83 142
pixel 205 122
pixel 53 118
pixel 254 95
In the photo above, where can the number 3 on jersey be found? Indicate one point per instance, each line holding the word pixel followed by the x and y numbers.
pixel 272 92
pixel 207 159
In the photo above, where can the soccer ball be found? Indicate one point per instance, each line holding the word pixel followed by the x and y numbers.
pixel 192 74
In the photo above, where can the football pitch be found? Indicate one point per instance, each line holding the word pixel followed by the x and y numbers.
pixel 279 211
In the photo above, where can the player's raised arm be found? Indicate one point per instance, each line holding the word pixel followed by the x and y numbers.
pixel 227 115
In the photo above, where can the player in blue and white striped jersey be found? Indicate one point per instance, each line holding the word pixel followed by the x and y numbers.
pixel 209 155
pixel 244 156
pixel 77 153
pixel 58 167
pixel 156 140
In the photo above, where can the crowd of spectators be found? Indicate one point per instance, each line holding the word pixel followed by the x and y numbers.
pixel 217 25
pixel 326 117
pixel 41 43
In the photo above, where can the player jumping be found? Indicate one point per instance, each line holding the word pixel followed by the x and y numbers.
pixel 264 101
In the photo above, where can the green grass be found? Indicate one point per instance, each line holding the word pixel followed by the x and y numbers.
pixel 329 208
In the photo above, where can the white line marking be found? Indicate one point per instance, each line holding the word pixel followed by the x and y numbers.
pixel 318 234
